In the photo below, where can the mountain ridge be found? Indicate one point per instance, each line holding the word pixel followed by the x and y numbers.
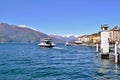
pixel 65 38
pixel 15 34
pixel 25 34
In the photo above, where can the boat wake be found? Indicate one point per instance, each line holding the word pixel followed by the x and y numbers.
pixel 59 48
pixel 86 51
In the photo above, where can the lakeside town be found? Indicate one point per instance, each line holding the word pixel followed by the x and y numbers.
pixel 114 35
pixel 105 37
pixel 14 34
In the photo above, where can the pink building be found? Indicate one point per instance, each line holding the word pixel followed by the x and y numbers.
pixel 114 34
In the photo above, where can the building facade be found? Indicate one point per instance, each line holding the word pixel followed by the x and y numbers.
pixel 114 34
pixel 93 38
pixel 84 38
pixel 96 37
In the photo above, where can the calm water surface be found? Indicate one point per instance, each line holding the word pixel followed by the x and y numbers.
pixel 30 62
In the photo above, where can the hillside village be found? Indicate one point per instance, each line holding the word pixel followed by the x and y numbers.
pixel 114 35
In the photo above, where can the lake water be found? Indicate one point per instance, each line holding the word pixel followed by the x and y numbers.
pixel 30 62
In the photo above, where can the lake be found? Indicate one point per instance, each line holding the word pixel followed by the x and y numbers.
pixel 30 62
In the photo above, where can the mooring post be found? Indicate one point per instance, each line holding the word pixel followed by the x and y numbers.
pixel 116 55
pixel 97 50
pixel 96 47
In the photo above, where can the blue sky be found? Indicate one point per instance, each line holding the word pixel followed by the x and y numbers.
pixel 61 16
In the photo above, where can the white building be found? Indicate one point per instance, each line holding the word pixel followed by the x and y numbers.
pixel 105 41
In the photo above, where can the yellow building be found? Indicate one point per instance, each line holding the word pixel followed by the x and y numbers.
pixel 96 38
pixel 114 35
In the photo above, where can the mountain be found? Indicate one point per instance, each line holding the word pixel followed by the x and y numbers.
pixel 20 34
pixel 65 38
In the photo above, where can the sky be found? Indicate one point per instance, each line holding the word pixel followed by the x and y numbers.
pixel 61 16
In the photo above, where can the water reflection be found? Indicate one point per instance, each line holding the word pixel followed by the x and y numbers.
pixel 97 54
pixel 116 68
pixel 105 63
pixel 108 70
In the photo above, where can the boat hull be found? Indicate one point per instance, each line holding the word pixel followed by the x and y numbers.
pixel 44 46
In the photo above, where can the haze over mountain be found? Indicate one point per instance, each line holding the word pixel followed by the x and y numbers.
pixel 26 34
pixel 65 38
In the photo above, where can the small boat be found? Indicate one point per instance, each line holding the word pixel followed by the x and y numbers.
pixel 74 43
pixel 47 42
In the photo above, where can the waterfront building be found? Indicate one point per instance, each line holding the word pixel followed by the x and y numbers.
pixel 84 38
pixel 96 37
pixel 114 34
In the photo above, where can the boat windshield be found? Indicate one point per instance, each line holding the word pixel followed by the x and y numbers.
pixel 48 42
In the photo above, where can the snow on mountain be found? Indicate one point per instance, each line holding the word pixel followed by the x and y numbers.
pixel 25 26
pixel 67 35
pixel 70 35
pixel 65 38
pixel 16 34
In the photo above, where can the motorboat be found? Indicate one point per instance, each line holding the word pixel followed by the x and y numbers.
pixel 73 43
pixel 47 42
